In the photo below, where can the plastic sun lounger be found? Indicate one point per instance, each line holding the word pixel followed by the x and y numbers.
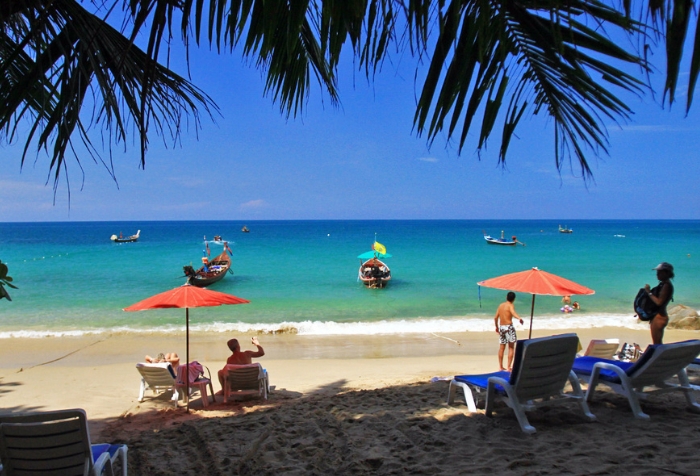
pixel 157 377
pixel 54 443
pixel 694 365
pixel 160 377
pixel 657 365
pixel 200 384
pixel 603 348
pixel 249 379
pixel 541 369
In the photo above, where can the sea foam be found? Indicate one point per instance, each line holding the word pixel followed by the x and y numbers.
pixel 328 328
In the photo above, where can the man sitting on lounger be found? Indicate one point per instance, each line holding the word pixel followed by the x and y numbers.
pixel 238 357
pixel 505 329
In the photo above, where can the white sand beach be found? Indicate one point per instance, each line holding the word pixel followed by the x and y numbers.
pixel 362 405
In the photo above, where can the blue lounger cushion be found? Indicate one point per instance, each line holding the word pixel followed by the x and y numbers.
pixel 584 365
pixel 99 448
pixel 482 380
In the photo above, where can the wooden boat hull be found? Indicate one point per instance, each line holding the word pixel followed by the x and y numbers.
pixel 495 241
pixel 218 267
pixel 374 273
pixel 128 239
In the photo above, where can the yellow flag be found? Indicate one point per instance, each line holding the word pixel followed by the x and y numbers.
pixel 379 248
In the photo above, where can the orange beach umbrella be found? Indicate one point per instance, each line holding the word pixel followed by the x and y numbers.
pixel 186 296
pixel 536 281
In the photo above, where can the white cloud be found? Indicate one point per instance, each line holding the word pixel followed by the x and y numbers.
pixel 253 204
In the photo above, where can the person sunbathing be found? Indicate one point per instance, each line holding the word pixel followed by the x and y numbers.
pixel 239 357
pixel 171 358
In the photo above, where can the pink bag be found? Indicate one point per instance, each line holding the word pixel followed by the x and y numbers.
pixel 196 371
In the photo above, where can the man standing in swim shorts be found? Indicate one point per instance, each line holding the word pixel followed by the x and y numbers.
pixel 505 329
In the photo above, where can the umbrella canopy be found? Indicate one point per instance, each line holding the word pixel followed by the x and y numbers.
pixel 373 254
pixel 186 296
pixel 536 281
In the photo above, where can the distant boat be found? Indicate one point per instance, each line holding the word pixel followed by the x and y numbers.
pixel 211 271
pixel 373 272
pixel 217 240
pixel 565 229
pixel 128 239
pixel 500 241
pixel 245 229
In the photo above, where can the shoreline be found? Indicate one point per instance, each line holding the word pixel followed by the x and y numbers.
pixel 480 323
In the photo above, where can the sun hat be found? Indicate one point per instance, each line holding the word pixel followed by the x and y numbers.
pixel 664 265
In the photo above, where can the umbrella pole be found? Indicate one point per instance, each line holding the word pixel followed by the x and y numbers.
pixel 187 357
pixel 532 314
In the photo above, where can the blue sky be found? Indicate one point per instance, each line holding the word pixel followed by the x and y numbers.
pixel 363 161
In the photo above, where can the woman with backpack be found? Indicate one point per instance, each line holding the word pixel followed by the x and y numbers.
pixel 661 295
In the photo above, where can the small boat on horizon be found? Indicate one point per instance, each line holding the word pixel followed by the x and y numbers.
pixel 211 271
pixel 565 229
pixel 373 272
pixel 128 239
pixel 501 241
pixel 217 240
pixel 245 229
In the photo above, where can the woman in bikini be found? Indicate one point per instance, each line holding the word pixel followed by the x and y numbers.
pixel 661 295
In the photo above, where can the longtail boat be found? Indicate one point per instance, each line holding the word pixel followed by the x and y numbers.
pixel 128 239
pixel 373 272
pixel 211 271
pixel 500 241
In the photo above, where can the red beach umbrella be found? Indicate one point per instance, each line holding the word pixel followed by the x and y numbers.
pixel 536 281
pixel 186 296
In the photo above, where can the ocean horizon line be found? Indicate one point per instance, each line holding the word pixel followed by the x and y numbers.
pixel 263 220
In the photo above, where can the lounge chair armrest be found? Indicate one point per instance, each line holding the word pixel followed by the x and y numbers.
pixel 103 465
pixel 598 366
pixel 208 372
pixel 500 381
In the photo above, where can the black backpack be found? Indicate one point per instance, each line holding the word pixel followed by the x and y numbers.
pixel 644 307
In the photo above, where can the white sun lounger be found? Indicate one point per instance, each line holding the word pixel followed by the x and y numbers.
pixel 541 369
pixel 649 375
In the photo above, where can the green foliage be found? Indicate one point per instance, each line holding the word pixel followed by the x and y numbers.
pixel 5 280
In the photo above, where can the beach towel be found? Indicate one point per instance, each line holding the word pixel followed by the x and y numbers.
pixel 196 371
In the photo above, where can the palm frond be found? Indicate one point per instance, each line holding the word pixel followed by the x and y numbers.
pixel 555 63
pixel 56 58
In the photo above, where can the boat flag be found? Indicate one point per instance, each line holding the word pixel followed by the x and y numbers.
pixel 379 248
pixel 227 248
pixel 206 243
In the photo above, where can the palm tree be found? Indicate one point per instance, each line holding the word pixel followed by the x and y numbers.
pixel 65 70
pixel 5 280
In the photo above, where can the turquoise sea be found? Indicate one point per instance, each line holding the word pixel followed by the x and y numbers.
pixel 301 276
